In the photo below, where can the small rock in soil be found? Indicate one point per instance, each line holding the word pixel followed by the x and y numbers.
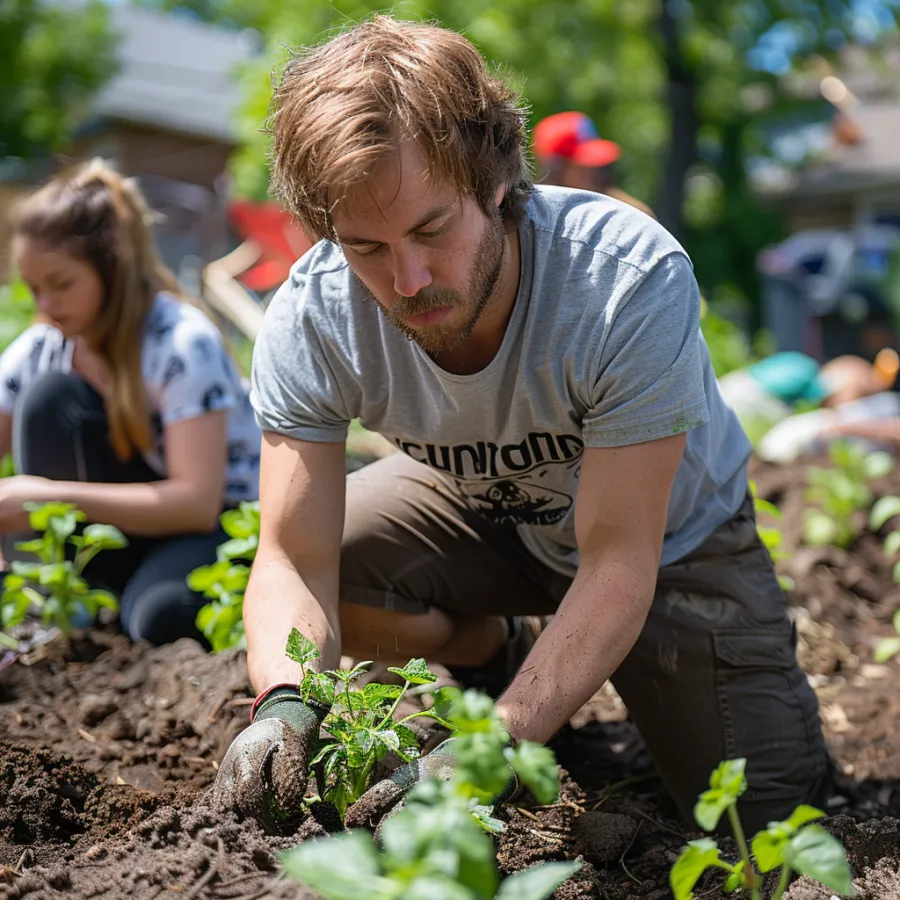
pixel 603 837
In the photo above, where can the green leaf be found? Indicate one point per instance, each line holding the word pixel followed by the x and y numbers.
pixel 14 582
pixel 771 537
pixel 734 881
pixel 443 700
pixel 537 883
pixel 318 686
pixel 343 867
pixel 7 466
pixel 106 537
pixel 472 711
pixel 300 648
pixel 242 522
pixel 803 815
pixel 429 887
pixel 883 510
pixel 768 846
pixel 817 854
pixel 764 506
pixel 56 574
pixel 238 548
pixel 415 672
pixel 482 815
pixel 42 515
pixel 38 546
pixel 877 465
pixel 376 694
pixel 95 600
pixel 695 859
pixel 892 544
pixel 886 649
pixel 536 767
pixel 819 530
pixel 408 739
pixel 727 783
pixel 787 583
pixel 14 605
pixel 388 738
pixel 27 570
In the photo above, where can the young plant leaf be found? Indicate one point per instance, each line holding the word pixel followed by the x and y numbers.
pixel 537 769
pixel 787 583
pixel 812 851
pixel 764 506
pixel 819 529
pixel 886 649
pixel 734 881
pixel 883 510
pixel 726 784
pixel 300 648
pixel 343 867
pixel 892 544
pixel 537 883
pixel 104 537
pixel 877 465
pixel 695 859
pixel 415 672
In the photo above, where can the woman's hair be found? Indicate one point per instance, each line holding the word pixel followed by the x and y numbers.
pixel 94 214
pixel 343 106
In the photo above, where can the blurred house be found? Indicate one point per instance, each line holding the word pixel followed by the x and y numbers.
pixel 833 287
pixel 852 177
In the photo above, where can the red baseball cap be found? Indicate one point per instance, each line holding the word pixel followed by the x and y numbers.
pixel 573 136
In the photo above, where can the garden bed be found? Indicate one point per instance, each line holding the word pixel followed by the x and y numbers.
pixel 107 750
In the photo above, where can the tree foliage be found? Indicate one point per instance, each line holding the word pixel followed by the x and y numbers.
pixel 689 88
pixel 52 59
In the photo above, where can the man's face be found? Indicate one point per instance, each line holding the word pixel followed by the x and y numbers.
pixel 430 258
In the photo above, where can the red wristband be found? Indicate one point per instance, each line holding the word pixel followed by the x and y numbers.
pixel 268 692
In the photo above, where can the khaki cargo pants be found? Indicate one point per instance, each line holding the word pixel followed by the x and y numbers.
pixel 713 675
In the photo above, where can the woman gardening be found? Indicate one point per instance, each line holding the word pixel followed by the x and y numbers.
pixel 123 400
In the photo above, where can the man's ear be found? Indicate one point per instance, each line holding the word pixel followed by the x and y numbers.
pixel 499 195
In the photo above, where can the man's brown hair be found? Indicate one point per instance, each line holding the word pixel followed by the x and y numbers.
pixel 343 106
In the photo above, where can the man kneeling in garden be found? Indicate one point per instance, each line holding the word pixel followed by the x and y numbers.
pixel 535 354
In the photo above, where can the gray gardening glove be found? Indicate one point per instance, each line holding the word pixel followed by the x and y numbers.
pixel 386 799
pixel 265 771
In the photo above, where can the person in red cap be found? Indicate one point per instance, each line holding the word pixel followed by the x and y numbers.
pixel 573 155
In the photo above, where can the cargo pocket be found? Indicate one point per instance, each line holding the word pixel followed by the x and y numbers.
pixel 769 711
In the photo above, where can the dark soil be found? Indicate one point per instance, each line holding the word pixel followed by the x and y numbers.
pixel 107 749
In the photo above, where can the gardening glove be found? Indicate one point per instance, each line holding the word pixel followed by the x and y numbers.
pixel 386 799
pixel 265 771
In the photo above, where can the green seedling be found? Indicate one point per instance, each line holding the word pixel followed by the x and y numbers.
pixel 770 535
pixel 360 728
pixel 224 582
pixel 435 847
pixel 885 509
pixel 841 491
pixel 54 584
pixel 791 846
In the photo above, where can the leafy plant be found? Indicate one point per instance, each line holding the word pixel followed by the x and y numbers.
pixel 55 584
pixel 435 847
pixel 224 582
pixel 841 491
pixel 770 535
pixel 360 725
pixel 793 846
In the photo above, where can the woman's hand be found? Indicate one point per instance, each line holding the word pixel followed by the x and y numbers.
pixel 15 492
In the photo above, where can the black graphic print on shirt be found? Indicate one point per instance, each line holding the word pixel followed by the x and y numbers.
pixel 505 482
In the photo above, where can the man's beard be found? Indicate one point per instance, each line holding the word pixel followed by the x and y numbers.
pixel 486 269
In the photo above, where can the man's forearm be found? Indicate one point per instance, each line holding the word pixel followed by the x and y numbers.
pixel 278 599
pixel 596 626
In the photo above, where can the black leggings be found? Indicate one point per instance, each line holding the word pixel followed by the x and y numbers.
pixel 60 431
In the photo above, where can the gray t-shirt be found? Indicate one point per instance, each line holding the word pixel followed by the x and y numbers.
pixel 603 349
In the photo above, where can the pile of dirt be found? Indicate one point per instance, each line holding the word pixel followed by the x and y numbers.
pixel 108 748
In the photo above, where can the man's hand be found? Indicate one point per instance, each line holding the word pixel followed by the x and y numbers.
pixel 265 772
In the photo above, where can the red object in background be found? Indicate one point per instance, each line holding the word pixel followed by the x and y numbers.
pixel 281 241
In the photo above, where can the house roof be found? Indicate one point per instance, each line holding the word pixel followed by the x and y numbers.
pixel 175 73
pixel 871 163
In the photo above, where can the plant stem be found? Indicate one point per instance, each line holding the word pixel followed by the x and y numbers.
pixel 782 882
pixel 390 713
pixel 749 871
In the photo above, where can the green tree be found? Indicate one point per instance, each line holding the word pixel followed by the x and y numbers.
pixel 687 87
pixel 52 59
